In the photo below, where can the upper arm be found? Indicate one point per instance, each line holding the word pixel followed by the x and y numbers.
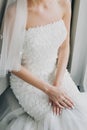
pixel 10 12
pixel 66 7
pixel 67 14
pixel 8 23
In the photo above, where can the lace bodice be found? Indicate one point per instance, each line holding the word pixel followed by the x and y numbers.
pixel 41 46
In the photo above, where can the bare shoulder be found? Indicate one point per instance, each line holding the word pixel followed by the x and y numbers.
pixel 65 3
pixel 11 10
pixel 66 6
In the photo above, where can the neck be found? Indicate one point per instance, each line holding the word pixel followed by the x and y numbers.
pixel 38 2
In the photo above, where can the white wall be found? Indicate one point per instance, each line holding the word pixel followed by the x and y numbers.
pixel 80 43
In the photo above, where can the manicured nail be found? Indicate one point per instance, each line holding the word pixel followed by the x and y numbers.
pixel 60 112
pixel 57 113
pixel 73 107
pixel 50 104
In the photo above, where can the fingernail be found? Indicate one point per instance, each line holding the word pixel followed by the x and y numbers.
pixel 55 114
pixel 73 107
pixel 70 108
pixel 50 104
pixel 58 114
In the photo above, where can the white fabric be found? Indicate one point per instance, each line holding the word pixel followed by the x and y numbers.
pixel 39 56
pixel 13 36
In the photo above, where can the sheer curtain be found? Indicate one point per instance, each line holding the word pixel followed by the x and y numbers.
pixel 3 81
pixel 79 43
pixel 85 79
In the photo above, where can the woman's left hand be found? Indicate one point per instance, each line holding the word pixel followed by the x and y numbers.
pixel 56 109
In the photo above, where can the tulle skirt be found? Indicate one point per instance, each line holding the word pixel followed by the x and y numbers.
pixel 36 113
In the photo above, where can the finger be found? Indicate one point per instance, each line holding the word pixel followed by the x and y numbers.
pixel 51 103
pixel 68 98
pixel 71 104
pixel 59 105
pixel 57 110
pixel 68 103
pixel 64 104
pixel 50 100
pixel 54 109
pixel 60 111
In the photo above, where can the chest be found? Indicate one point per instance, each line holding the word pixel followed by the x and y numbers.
pixel 43 16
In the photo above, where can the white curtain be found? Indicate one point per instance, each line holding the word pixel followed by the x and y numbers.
pixel 3 81
pixel 79 43
pixel 85 79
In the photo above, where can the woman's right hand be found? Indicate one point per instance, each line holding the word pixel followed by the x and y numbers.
pixel 60 97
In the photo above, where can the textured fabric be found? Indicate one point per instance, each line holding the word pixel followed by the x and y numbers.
pixel 39 56
pixel 13 36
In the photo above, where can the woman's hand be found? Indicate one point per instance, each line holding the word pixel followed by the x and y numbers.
pixel 59 97
pixel 56 109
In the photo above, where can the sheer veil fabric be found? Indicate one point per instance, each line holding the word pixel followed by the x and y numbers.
pixel 13 36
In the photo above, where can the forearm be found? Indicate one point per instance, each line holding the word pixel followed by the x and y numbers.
pixel 28 77
pixel 62 64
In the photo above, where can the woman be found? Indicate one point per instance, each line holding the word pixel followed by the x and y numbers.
pixel 43 86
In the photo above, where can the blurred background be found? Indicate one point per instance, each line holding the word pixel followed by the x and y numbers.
pixel 77 65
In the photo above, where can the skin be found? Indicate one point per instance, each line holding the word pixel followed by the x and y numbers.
pixel 41 12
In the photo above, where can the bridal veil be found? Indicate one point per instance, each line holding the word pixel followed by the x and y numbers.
pixel 13 36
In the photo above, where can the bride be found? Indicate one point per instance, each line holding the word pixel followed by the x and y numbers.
pixel 35 51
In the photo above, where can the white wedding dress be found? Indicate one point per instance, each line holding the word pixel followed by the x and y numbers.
pixel 39 55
